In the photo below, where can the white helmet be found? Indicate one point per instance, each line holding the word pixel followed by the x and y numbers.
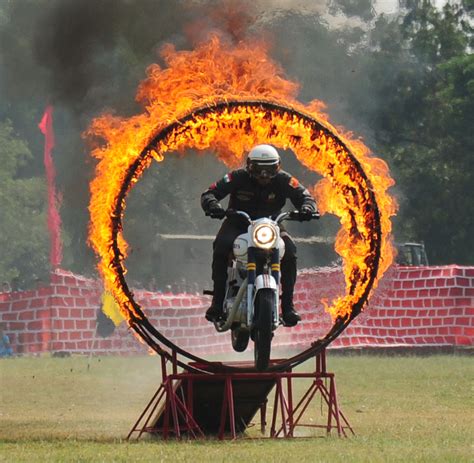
pixel 263 161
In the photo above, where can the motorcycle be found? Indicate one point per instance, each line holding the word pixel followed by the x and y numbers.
pixel 252 300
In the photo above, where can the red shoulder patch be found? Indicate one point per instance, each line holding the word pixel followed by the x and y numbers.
pixel 294 183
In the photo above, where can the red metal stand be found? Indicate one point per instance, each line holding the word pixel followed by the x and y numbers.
pixel 291 416
pixel 197 405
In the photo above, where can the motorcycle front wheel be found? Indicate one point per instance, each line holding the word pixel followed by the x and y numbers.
pixel 263 323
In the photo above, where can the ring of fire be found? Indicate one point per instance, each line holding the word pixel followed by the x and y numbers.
pixel 315 143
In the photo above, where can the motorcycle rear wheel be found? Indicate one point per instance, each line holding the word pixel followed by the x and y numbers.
pixel 262 335
pixel 240 339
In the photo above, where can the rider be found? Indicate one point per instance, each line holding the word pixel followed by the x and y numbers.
pixel 260 190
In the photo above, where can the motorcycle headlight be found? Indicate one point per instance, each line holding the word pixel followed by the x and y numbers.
pixel 264 236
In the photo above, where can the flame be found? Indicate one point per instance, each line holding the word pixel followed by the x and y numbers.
pixel 230 98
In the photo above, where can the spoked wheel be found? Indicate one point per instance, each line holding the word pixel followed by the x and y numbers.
pixel 240 339
pixel 262 335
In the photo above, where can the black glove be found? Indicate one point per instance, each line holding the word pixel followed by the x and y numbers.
pixel 216 211
pixel 306 213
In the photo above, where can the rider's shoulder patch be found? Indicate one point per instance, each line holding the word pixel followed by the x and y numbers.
pixel 294 183
pixel 228 178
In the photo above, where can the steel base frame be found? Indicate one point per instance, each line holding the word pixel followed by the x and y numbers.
pixel 176 410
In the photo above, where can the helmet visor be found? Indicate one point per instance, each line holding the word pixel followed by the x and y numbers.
pixel 263 171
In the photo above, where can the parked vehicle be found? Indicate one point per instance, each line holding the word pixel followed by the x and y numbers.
pixel 411 254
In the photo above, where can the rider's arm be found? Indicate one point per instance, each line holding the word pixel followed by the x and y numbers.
pixel 219 190
pixel 298 194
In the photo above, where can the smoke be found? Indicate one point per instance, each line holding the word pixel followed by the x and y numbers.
pixel 90 48
pixel 90 55
pixel 68 48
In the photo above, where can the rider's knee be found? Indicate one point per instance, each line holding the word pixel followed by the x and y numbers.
pixel 290 253
pixel 290 247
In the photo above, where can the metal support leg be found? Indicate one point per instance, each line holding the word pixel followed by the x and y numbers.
pixel 290 406
pixel 227 409
pixel 174 411
pixel 152 406
pixel 263 416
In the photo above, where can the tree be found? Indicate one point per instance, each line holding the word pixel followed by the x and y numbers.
pixel 23 231
pixel 422 71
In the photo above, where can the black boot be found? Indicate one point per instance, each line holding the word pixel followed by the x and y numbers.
pixel 289 315
pixel 215 312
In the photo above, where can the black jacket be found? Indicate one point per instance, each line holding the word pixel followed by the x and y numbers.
pixel 257 200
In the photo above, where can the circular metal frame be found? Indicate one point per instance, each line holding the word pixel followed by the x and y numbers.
pixel 142 326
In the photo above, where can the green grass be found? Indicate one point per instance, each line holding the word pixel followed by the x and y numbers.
pixel 403 409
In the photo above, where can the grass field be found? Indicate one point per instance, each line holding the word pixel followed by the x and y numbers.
pixel 403 409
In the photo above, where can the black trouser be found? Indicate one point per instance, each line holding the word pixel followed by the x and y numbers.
pixel 223 246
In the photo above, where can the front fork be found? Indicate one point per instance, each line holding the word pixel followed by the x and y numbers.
pixel 252 276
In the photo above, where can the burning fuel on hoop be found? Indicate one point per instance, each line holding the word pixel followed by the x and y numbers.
pixel 230 99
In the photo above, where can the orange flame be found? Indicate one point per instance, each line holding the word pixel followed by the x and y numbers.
pixel 213 73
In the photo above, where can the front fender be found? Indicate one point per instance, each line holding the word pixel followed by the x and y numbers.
pixel 265 281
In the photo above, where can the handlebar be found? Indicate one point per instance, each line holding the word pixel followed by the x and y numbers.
pixel 289 215
pixel 229 213
pixel 295 216
pixel 234 213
